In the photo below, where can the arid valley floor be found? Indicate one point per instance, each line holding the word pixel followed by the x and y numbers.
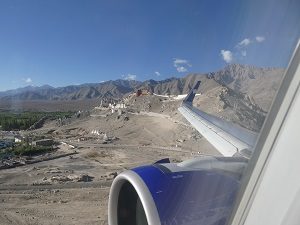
pixel 98 145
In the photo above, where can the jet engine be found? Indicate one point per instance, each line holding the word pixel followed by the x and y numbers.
pixel 197 191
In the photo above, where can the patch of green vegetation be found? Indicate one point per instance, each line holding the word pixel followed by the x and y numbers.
pixel 4 154
pixel 29 150
pixel 22 121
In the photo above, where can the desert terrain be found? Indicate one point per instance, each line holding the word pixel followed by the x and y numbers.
pixel 94 148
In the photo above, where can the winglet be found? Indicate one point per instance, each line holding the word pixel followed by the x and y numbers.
pixel 190 97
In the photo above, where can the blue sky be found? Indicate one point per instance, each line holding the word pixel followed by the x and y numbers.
pixel 64 42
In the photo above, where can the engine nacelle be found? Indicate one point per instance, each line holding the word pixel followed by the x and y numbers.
pixel 197 191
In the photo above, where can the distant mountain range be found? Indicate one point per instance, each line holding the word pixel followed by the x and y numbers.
pixel 259 83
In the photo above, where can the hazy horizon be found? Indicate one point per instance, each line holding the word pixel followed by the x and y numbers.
pixel 156 79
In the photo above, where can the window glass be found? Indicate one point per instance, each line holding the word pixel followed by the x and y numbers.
pixel 90 89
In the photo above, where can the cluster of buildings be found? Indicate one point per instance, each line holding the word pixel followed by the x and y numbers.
pixel 116 107
pixel 9 138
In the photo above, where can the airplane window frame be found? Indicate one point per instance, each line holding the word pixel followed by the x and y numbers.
pixel 251 178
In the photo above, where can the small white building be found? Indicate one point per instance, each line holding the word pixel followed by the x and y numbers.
pixel 18 139
pixel 117 106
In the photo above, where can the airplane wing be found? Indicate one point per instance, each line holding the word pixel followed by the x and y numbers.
pixel 201 190
pixel 228 138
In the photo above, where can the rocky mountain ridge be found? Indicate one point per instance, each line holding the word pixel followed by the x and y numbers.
pixel 257 84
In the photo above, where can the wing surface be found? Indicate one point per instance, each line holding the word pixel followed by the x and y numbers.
pixel 228 138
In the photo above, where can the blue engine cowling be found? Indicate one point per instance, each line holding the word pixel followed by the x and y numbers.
pixel 197 191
